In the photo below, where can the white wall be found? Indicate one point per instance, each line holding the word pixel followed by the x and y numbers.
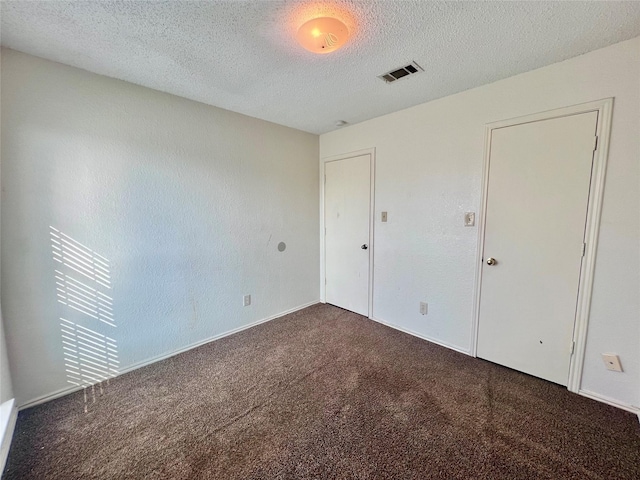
pixel 6 389
pixel 187 201
pixel 428 173
pixel 8 412
pixel 7 401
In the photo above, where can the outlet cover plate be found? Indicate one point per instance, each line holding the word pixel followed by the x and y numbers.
pixel 423 308
pixel 246 300
pixel 612 362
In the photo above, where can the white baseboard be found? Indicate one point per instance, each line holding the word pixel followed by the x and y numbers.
pixel 67 390
pixel 8 417
pixel 610 401
pixel 423 337
pixel 584 393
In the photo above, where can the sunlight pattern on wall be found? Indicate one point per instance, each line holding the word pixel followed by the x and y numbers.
pixel 90 357
pixel 84 299
pixel 83 288
pixel 80 258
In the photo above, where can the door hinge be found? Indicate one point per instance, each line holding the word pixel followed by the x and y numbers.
pixel 572 348
pixel 595 143
pixel 325 231
pixel 325 280
pixel 325 177
pixel 584 249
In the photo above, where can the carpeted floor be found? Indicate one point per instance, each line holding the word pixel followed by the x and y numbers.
pixel 326 394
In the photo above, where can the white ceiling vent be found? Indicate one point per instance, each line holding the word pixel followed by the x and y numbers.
pixel 401 72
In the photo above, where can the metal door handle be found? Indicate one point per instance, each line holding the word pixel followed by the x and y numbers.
pixel 364 246
pixel 491 261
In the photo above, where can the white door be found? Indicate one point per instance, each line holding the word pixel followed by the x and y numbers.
pixel 346 218
pixel 538 189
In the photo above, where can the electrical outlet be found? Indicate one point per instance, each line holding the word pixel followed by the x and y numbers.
pixel 384 216
pixel 246 300
pixel 612 362
pixel 469 219
pixel 423 308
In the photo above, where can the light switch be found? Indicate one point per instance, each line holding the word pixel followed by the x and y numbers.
pixel 612 362
pixel 384 216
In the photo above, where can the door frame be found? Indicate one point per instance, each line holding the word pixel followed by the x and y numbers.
pixel 604 107
pixel 323 274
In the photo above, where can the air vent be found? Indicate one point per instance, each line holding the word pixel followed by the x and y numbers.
pixel 401 72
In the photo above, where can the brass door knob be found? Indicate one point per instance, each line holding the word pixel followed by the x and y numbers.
pixel 491 261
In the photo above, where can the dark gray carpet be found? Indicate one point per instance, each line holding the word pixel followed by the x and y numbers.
pixel 324 393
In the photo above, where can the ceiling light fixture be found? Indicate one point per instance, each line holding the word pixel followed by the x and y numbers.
pixel 323 35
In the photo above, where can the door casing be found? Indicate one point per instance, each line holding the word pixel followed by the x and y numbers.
pixel 604 108
pixel 372 162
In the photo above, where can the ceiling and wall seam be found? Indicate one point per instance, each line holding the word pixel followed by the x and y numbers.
pixel 245 58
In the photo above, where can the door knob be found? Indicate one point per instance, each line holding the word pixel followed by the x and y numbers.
pixel 491 261
pixel 364 246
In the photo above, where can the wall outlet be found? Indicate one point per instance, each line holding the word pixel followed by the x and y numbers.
pixel 612 362
pixel 423 308
pixel 384 216
pixel 469 219
pixel 246 300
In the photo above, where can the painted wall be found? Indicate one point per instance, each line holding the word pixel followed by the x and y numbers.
pixel 429 162
pixel 6 389
pixel 186 202
pixel 7 400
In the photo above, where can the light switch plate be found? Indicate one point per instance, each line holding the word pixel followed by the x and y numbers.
pixel 384 216
pixel 469 219
pixel 612 362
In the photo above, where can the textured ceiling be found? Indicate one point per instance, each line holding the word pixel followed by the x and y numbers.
pixel 243 56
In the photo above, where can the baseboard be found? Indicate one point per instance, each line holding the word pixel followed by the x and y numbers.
pixel 66 391
pixel 610 401
pixel 6 430
pixel 584 393
pixel 423 337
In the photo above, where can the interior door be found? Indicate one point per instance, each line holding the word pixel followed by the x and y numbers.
pixel 538 190
pixel 346 218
